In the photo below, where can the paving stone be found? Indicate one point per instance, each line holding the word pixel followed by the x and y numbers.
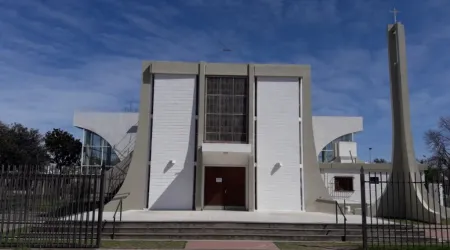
pixel 230 245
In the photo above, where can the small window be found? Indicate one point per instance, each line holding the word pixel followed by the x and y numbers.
pixel 343 184
pixel 374 180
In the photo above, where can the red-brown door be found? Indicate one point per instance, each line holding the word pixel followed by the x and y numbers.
pixel 214 190
pixel 225 186
pixel 234 187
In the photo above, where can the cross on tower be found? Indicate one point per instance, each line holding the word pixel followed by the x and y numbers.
pixel 395 12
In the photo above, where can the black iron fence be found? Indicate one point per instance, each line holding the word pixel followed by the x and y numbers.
pixel 44 210
pixel 405 210
pixel 340 211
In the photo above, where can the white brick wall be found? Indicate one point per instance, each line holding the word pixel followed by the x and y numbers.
pixel 173 138
pixel 373 191
pixel 278 188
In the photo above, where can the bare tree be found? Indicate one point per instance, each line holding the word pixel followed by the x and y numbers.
pixel 438 142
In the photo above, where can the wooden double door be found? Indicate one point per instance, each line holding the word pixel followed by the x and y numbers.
pixel 225 187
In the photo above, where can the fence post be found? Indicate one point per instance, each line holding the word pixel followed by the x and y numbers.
pixel 101 205
pixel 336 210
pixel 363 207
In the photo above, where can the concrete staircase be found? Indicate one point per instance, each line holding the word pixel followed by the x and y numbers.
pixel 231 231
pixel 253 231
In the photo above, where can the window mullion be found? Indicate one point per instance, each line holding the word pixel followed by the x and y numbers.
pixel 220 109
pixel 233 103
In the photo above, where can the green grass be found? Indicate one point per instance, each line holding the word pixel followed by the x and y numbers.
pixel 446 221
pixel 410 248
pixel 143 244
pixel 317 245
pixel 124 244
pixel 350 246
pixel 139 244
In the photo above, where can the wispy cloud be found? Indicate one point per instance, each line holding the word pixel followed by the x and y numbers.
pixel 59 56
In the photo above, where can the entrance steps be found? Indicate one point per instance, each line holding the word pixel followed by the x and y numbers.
pixel 252 231
pixel 311 232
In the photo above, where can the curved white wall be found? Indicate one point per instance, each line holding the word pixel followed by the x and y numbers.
pixel 328 128
pixel 116 128
pixel 113 127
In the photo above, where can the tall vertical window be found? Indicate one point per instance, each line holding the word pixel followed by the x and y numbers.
pixel 226 118
pixel 97 152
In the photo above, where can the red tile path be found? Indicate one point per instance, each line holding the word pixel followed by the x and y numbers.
pixel 229 245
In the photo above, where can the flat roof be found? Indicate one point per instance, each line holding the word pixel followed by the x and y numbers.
pixel 237 69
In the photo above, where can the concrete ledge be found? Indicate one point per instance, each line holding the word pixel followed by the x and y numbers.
pixel 162 67
pixel 235 69
pixel 226 69
pixel 282 70
pixel 377 167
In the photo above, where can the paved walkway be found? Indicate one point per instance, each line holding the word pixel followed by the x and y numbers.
pixel 229 245
pixel 230 216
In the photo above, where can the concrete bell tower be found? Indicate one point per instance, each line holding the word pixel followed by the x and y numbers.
pixel 411 199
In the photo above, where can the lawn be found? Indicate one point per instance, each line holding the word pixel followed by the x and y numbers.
pixel 410 248
pixel 142 244
pixel 134 244
pixel 350 246
pixel 318 245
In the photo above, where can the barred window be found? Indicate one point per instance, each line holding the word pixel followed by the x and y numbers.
pixel 343 184
pixel 226 109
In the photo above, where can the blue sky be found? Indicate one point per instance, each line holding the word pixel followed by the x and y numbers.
pixel 59 56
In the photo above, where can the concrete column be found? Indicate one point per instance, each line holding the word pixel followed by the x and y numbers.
pixel 251 139
pixel 403 157
pixel 200 169
pixel 136 182
pixel 317 198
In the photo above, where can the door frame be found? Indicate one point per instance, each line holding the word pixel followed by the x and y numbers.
pixel 245 208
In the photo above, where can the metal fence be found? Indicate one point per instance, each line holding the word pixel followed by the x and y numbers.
pixel 404 210
pixel 42 210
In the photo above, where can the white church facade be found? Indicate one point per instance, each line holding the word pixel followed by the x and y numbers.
pixel 227 136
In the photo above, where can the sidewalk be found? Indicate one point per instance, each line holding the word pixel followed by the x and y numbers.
pixel 229 245
pixel 246 245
